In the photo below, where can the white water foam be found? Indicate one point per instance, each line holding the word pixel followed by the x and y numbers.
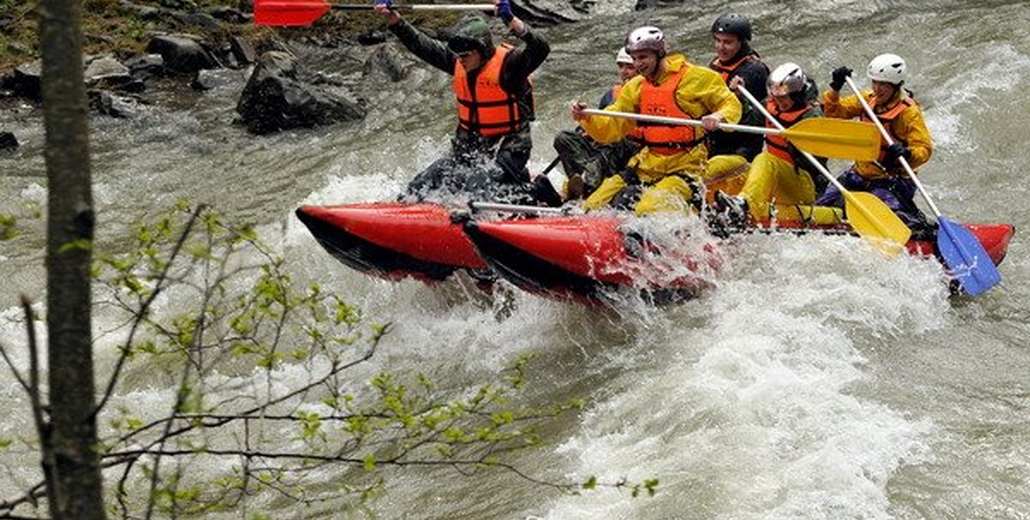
pixel 754 415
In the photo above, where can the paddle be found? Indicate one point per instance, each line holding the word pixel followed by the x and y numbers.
pixel 837 138
pixel 963 254
pixel 551 166
pixel 305 12
pixel 518 208
pixel 867 214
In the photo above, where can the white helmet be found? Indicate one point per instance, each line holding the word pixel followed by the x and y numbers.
pixel 646 38
pixel 889 68
pixel 623 56
pixel 787 79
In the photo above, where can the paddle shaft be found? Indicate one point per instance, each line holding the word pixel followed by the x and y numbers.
pixel 417 7
pixel 962 252
pixel 882 222
pixel 681 121
pixel 297 13
pixel 319 5
pixel 551 166
pixel 887 137
pixel 811 158
pixel 517 208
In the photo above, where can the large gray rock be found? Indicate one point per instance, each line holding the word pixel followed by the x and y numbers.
pixel 389 61
pixel 274 99
pixel 181 53
pixel 106 70
pixel 27 80
pixel 243 50
pixel 146 66
pixel 108 104
pixel 8 141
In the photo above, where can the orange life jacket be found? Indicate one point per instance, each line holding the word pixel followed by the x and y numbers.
pixel 488 109
pixel 777 145
pixel 885 119
pixel 660 100
pixel 727 70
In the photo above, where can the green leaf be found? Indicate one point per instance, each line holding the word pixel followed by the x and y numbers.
pixel 7 229
pixel 651 484
pixel 79 244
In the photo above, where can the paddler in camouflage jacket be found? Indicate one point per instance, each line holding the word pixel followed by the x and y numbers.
pixel 494 95
pixel 587 162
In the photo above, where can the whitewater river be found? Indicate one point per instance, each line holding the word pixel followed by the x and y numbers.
pixel 818 380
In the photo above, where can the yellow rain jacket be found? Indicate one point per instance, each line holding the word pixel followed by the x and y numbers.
pixel 701 91
pixel 904 123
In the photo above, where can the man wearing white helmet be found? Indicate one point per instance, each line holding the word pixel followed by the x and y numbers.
pixel 667 172
pixel 586 162
pixel 899 113
pixel 781 174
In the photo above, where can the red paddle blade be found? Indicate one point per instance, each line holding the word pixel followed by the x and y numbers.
pixel 289 12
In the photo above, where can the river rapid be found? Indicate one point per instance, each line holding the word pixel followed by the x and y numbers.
pixel 817 380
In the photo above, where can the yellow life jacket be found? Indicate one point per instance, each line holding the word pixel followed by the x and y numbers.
pixel 488 109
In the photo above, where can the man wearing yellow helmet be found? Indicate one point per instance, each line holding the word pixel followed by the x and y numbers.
pixel 667 172
pixel 901 116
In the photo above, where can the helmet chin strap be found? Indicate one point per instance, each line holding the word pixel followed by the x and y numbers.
pixel 653 76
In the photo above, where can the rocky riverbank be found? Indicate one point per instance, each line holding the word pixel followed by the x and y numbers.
pixel 171 51
pixel 139 52
pixel 177 49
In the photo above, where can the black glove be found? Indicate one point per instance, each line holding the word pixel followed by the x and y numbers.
pixel 839 78
pixel 892 153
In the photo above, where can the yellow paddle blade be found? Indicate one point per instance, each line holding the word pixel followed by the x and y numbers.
pixel 872 219
pixel 836 138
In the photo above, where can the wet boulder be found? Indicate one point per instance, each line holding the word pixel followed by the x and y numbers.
pixel 106 71
pixel 243 50
pixel 389 61
pixel 106 103
pixel 27 80
pixel 146 66
pixel 8 141
pixel 181 53
pixel 275 99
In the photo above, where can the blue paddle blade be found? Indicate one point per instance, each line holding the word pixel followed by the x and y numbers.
pixel 966 258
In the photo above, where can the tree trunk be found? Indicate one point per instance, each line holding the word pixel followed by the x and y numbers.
pixel 70 460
